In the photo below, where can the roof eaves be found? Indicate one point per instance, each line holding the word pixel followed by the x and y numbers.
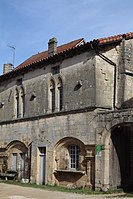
pixel 74 43
pixel 115 39
pixel 68 53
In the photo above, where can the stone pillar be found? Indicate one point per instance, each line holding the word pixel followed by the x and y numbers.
pixel 106 182
pixel 102 161
pixel 33 171
pixel 121 76
pixel 98 165
pixel 88 168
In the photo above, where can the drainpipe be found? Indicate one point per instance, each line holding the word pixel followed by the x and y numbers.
pixel 94 46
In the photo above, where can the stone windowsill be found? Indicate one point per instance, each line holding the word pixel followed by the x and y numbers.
pixel 69 171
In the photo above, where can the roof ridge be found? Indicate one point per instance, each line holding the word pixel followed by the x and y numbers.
pixel 37 57
pixel 66 50
pixel 72 42
pixel 61 45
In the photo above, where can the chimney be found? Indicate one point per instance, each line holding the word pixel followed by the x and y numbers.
pixel 52 47
pixel 7 68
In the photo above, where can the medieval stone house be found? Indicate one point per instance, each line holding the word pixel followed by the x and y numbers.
pixel 66 115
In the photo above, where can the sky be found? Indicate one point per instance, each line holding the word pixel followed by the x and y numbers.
pixel 27 25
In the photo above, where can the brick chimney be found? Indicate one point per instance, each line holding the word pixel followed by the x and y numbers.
pixel 7 68
pixel 52 47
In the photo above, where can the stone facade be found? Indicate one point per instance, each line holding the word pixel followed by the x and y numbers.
pixel 60 119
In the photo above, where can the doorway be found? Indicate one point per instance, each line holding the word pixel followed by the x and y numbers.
pixel 121 162
pixel 42 167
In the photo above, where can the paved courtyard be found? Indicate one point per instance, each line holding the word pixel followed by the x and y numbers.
pixel 8 191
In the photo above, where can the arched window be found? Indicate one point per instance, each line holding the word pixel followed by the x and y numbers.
pixel 60 94
pixel 22 102
pixel 17 104
pixel 52 96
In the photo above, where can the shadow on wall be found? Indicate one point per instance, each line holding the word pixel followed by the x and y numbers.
pixel 68 177
pixel 128 103
pixel 122 139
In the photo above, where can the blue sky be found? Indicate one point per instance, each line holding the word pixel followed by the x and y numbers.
pixel 29 24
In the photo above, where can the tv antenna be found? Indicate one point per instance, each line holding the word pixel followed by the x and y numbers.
pixel 13 58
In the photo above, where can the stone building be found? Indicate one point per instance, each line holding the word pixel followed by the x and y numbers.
pixel 66 115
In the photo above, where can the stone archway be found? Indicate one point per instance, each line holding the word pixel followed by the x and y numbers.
pixel 62 155
pixel 74 163
pixel 17 154
pixel 117 157
pixel 121 156
pixel 114 134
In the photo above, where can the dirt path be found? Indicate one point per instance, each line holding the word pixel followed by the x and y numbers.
pixel 17 192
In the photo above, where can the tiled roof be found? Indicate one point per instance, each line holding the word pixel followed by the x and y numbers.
pixel 64 51
pixel 44 55
pixel 116 38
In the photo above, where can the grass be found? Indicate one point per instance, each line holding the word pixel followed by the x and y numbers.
pixel 63 189
pixel 110 193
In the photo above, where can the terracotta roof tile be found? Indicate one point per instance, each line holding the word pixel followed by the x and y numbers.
pixel 44 55
pixel 69 46
pixel 116 38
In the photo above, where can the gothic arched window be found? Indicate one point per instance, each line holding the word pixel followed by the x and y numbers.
pixel 22 102
pixel 60 94
pixel 17 104
pixel 52 96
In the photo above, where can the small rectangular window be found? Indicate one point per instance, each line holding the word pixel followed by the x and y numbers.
pixel 19 81
pixel 56 70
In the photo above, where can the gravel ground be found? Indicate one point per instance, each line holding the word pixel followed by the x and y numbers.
pixel 8 191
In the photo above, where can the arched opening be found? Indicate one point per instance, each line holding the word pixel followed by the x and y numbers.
pixel 22 102
pixel 52 95
pixel 16 104
pixel 70 153
pixel 121 156
pixel 17 159
pixel 74 163
pixel 60 94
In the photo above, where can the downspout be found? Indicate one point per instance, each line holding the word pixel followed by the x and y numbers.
pixel 94 46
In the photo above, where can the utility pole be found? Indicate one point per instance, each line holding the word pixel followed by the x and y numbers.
pixel 13 58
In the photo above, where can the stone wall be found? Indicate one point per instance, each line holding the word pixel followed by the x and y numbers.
pixel 89 86
pixel 72 71
pixel 47 132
